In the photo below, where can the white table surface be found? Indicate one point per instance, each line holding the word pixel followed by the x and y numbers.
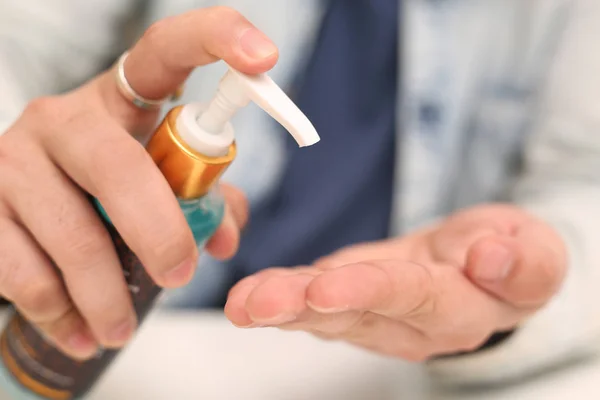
pixel 189 356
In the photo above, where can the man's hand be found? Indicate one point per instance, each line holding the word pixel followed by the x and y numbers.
pixel 439 291
pixel 57 263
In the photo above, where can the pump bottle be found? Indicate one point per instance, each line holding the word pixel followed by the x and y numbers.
pixel 192 147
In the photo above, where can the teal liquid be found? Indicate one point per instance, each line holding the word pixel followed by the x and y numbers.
pixel 204 215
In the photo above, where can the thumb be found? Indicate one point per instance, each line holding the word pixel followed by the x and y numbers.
pixel 524 270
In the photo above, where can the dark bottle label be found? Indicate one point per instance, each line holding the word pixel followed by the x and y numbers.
pixel 48 372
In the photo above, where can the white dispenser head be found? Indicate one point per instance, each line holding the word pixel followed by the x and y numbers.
pixel 207 129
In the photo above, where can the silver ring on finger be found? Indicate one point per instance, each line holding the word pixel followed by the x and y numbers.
pixel 131 95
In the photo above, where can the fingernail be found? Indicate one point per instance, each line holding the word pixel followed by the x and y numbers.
pixel 181 274
pixel 82 343
pixel 495 265
pixel 252 325
pixel 256 45
pixel 121 333
pixel 277 320
pixel 326 310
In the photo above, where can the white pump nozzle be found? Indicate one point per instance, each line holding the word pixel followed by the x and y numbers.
pixel 207 129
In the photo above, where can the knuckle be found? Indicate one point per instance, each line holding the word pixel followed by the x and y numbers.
pixel 86 243
pixel 42 300
pixel 40 107
pixel 120 149
pixel 44 110
pixel 113 154
pixel 172 245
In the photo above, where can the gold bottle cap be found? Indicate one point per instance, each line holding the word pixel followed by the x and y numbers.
pixel 189 173
pixel 195 143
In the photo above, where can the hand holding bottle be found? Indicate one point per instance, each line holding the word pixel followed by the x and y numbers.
pixel 57 263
